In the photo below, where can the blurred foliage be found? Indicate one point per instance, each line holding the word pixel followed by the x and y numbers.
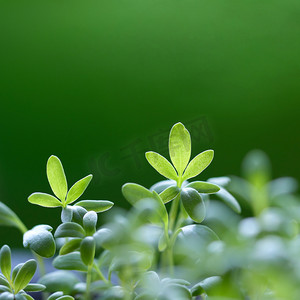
pixel 77 78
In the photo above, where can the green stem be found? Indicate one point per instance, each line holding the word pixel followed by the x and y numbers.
pixel 173 212
pixel 88 282
pixel 100 274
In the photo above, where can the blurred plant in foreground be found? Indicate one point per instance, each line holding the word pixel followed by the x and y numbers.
pixel 178 241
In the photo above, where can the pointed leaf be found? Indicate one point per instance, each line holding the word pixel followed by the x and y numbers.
pixel 69 229
pixel 5 261
pixel 78 189
pixel 193 204
pixel 204 187
pixel 134 192
pixel 27 297
pixel 198 164
pixel 95 205
pixel 161 165
pixel 87 250
pixel 44 200
pixel 70 246
pixel 169 194
pixel 40 240
pixel 24 275
pixel 16 270
pixel 57 178
pixel 229 200
pixel 71 261
pixel 179 147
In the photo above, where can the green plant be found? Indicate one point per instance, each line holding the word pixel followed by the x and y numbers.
pixel 158 249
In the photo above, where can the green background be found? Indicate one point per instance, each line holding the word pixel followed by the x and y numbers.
pixel 99 82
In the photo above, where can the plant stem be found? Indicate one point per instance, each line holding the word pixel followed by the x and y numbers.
pixel 100 274
pixel 88 282
pixel 173 212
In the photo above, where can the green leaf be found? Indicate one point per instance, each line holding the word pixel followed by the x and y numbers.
pixel 229 200
pixel 161 165
pixel 44 200
pixel 204 187
pixel 20 296
pixel 70 246
pixel 95 205
pixel 8 217
pixel 162 185
pixel 16 270
pixel 4 288
pixel 65 297
pixel 7 296
pixel 24 275
pixel 134 192
pixel 179 147
pixel 78 189
pixel 55 295
pixel 27 297
pixel 90 222
pixel 193 204
pixel 57 178
pixel 169 194
pixel 198 164
pixel 66 214
pixel 87 250
pixel 71 261
pixel 205 285
pixel 34 287
pixel 163 242
pixel 161 208
pixel 4 281
pixel 63 281
pixel 5 261
pixel 40 240
pixel 69 229
pixel 78 214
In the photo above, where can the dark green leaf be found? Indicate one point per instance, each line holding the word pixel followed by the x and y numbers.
pixel 198 164
pixel 78 189
pixel 95 205
pixel 4 281
pixel 69 229
pixel 161 165
pixel 24 275
pixel 179 147
pixel 57 178
pixel 204 187
pixel 4 288
pixel 44 200
pixel 87 250
pixel 40 240
pixel 5 261
pixel 169 194
pixel 70 246
pixel 34 287
pixel 193 204
pixel 63 281
pixel 71 261
pixel 78 213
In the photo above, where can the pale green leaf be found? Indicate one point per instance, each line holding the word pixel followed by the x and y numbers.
pixel 78 189
pixel 45 200
pixel 179 147
pixel 57 178
pixel 198 164
pixel 95 205
pixel 204 187
pixel 90 222
pixel 5 261
pixel 24 275
pixel 134 192
pixel 169 194
pixel 161 165
pixel 228 199
pixel 34 287
pixel 70 246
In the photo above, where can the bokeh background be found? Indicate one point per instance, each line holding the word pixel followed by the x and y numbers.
pixel 98 83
